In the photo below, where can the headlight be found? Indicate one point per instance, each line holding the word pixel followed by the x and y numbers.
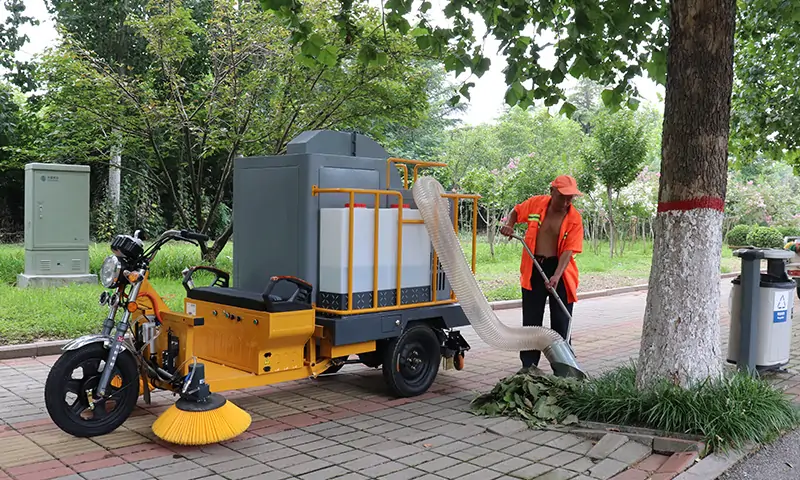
pixel 109 273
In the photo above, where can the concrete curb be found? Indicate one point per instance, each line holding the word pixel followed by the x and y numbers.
pixel 509 304
pixel 716 464
pixel 38 349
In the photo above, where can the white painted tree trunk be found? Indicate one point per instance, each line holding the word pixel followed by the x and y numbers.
pixel 114 179
pixel 680 336
pixel 681 340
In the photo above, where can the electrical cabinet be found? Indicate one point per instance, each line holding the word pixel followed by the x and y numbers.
pixel 56 219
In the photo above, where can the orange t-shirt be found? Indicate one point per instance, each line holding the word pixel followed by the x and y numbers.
pixel 532 211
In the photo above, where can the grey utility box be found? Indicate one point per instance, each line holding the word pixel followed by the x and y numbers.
pixel 56 225
pixel 761 307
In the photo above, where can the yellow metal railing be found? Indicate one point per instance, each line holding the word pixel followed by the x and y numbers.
pixel 400 222
pixel 403 163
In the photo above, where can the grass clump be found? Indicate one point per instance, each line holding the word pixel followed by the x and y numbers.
pixel 726 412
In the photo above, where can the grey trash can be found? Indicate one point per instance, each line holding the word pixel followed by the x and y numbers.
pixel 773 319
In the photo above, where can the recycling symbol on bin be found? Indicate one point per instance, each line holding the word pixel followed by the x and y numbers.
pixel 782 303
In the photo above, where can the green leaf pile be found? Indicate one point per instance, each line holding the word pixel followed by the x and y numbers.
pixel 534 399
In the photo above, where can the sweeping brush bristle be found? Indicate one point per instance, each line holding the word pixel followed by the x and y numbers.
pixel 193 423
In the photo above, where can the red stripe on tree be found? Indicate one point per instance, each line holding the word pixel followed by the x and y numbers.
pixel 713 203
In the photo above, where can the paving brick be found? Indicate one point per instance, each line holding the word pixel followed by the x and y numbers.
pixel 418 458
pixel 328 452
pixel 678 462
pixel 581 465
pixel 652 463
pixel 190 474
pixel 560 459
pixel 136 475
pixel 247 472
pixel 112 472
pixel 673 445
pixel 482 474
pixel 631 453
pixel 510 465
pixel 540 453
pixel 352 476
pixel 407 473
pixel 307 467
pixel 491 458
pixel 531 471
pixel 607 468
pixel 606 445
pixel 179 467
pixel 632 474
pixel 438 464
pixel 581 448
pixel 325 473
pixel 508 427
pixel 299 440
pixel 565 441
pixel 557 474
pixel 363 462
pixel 344 457
pixel 235 464
pixel 451 447
pixel 275 455
pixel 271 475
pixel 382 469
pixel 470 453
pixel 47 474
pixel 286 462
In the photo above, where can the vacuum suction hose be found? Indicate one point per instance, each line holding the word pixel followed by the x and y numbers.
pixel 435 212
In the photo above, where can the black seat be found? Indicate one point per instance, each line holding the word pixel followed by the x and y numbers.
pixel 235 297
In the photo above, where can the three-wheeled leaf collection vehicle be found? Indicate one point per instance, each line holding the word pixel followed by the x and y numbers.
pixel 332 213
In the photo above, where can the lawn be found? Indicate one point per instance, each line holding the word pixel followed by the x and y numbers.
pixel 66 312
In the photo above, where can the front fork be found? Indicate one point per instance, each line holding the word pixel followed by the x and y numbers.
pixel 119 338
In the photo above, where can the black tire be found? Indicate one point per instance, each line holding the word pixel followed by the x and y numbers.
pixel 69 414
pixel 411 361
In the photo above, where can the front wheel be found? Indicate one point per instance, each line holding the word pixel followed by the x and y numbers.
pixel 411 361
pixel 71 387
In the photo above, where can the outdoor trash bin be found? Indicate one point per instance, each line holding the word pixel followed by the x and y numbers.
pixel 773 320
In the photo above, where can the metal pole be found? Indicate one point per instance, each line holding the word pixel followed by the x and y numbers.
pixel 550 289
pixel 748 329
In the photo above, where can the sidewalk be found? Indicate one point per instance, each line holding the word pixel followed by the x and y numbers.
pixel 344 426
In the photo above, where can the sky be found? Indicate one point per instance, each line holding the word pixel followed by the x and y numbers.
pixel 487 96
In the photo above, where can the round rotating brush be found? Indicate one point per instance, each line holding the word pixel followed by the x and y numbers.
pixel 200 417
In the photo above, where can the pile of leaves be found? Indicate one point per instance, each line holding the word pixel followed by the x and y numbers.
pixel 729 411
pixel 535 399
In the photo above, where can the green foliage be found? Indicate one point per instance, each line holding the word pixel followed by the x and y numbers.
pixel 789 231
pixel 737 236
pixel 607 42
pixel 12 41
pixel 765 237
pixel 535 399
pixel 727 412
pixel 617 148
pixel 765 106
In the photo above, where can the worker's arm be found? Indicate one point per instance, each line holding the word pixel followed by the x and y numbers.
pixel 508 228
pixel 563 261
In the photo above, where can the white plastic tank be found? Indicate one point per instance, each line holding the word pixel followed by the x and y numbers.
pixel 416 271
pixel 333 250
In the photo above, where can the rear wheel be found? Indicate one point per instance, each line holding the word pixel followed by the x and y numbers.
pixel 73 381
pixel 411 361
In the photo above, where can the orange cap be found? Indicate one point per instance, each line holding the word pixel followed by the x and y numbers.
pixel 566 185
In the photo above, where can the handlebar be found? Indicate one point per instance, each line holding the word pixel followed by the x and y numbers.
pixel 194 235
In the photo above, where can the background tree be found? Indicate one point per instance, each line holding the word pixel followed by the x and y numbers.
pixel 615 154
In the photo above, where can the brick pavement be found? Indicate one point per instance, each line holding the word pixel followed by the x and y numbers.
pixel 344 426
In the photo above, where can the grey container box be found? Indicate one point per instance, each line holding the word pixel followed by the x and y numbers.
pixel 56 219
pixel 276 221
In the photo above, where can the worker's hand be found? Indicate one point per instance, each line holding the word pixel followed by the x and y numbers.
pixel 506 230
pixel 553 283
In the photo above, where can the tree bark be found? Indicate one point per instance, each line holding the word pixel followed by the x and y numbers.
pixel 681 333
pixel 610 194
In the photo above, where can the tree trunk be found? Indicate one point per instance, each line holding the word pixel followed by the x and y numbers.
pixel 610 220
pixel 681 333
pixel 114 178
pixel 490 231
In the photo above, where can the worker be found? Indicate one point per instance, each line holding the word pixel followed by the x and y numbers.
pixel 554 235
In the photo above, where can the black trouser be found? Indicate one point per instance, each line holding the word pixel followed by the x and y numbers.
pixel 533 302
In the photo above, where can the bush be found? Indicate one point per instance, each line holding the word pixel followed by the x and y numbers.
pixel 727 412
pixel 737 236
pixel 789 231
pixel 765 237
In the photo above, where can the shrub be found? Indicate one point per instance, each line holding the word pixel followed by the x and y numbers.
pixel 737 236
pixel 765 237
pixel 789 231
pixel 726 412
